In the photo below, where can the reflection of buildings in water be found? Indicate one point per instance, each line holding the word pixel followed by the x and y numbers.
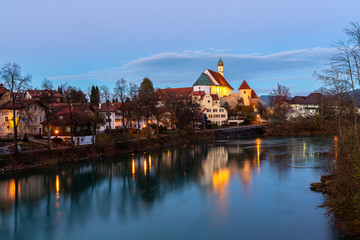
pixel 245 173
pixel 216 159
pixel 7 195
pixel 25 189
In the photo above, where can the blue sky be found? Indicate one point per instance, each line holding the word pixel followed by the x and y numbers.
pixel 86 42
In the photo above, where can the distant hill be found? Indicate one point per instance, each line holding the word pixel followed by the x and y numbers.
pixel 266 99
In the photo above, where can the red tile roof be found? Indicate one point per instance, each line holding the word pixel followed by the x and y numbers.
pixel 37 93
pixel 220 79
pixel 18 105
pixel 214 96
pixel 253 94
pixel 108 107
pixel 313 99
pixel 79 113
pixel 182 93
pixel 198 93
pixel 3 90
pixel 244 85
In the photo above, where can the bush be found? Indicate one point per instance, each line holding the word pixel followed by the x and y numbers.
pixel 25 139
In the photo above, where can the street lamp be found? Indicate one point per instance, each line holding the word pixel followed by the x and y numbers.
pixel 56 133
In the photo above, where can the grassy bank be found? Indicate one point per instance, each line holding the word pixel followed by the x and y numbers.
pixel 65 155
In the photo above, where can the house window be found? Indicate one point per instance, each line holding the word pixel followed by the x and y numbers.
pixel 61 117
pixel 215 101
pixel 35 119
pixel 84 127
pixel 35 129
pixel 221 110
pixel 222 115
pixel 214 110
pixel 67 129
pixel 40 119
pixel 6 119
pixel 244 92
pixel 78 129
pixel 45 129
pixel 208 110
pixel 208 101
pixel 35 108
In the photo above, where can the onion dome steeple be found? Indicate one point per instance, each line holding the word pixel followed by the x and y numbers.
pixel 221 67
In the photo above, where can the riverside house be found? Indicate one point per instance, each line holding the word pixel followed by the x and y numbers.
pixel 60 124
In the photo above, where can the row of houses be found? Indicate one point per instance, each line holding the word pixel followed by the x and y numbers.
pixel 211 91
pixel 30 116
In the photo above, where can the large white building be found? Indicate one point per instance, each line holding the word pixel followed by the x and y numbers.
pixel 305 106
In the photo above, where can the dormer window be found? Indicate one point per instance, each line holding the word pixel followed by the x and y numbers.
pixel 61 117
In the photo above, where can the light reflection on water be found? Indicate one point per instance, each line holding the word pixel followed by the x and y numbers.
pixel 254 188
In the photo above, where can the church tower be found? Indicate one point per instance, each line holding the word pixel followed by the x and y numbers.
pixel 221 67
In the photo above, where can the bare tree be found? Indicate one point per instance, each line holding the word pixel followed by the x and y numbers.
pixel 106 96
pixel 136 107
pixel 280 101
pixel 122 91
pixel 46 99
pixel 16 84
pixel 72 96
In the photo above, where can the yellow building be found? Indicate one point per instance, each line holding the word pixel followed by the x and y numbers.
pixel 213 82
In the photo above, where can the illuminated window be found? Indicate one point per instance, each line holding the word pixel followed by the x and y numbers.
pixel 6 119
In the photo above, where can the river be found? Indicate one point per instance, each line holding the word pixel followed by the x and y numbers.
pixel 250 188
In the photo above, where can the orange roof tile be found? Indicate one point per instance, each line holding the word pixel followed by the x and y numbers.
pixel 220 79
pixel 244 85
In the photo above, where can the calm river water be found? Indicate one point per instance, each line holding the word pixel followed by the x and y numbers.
pixel 254 188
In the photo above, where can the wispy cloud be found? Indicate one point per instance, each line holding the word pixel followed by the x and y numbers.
pixel 293 68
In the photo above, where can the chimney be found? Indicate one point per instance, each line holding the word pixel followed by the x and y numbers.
pixel 1 85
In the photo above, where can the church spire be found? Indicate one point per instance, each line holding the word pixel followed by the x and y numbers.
pixel 221 67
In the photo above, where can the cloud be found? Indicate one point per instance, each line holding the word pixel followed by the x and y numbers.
pixel 293 68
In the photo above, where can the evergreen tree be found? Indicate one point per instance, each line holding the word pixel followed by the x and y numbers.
pixel 94 96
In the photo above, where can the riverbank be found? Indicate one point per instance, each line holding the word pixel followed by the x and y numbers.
pixel 342 186
pixel 301 127
pixel 45 158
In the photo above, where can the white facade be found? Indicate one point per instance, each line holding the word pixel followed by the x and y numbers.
pixel 211 107
pixel 302 110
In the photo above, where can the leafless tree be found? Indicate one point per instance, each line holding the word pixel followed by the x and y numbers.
pixel 17 85
pixel 122 91
pixel 106 96
pixel 280 101
pixel 46 99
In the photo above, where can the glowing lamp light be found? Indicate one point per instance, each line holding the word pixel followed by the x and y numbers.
pixel 144 126
pixel 149 121
pixel 56 131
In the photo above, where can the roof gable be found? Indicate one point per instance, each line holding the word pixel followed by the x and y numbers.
pixel 244 85
pixel 253 94
pixel 220 79
pixel 203 80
